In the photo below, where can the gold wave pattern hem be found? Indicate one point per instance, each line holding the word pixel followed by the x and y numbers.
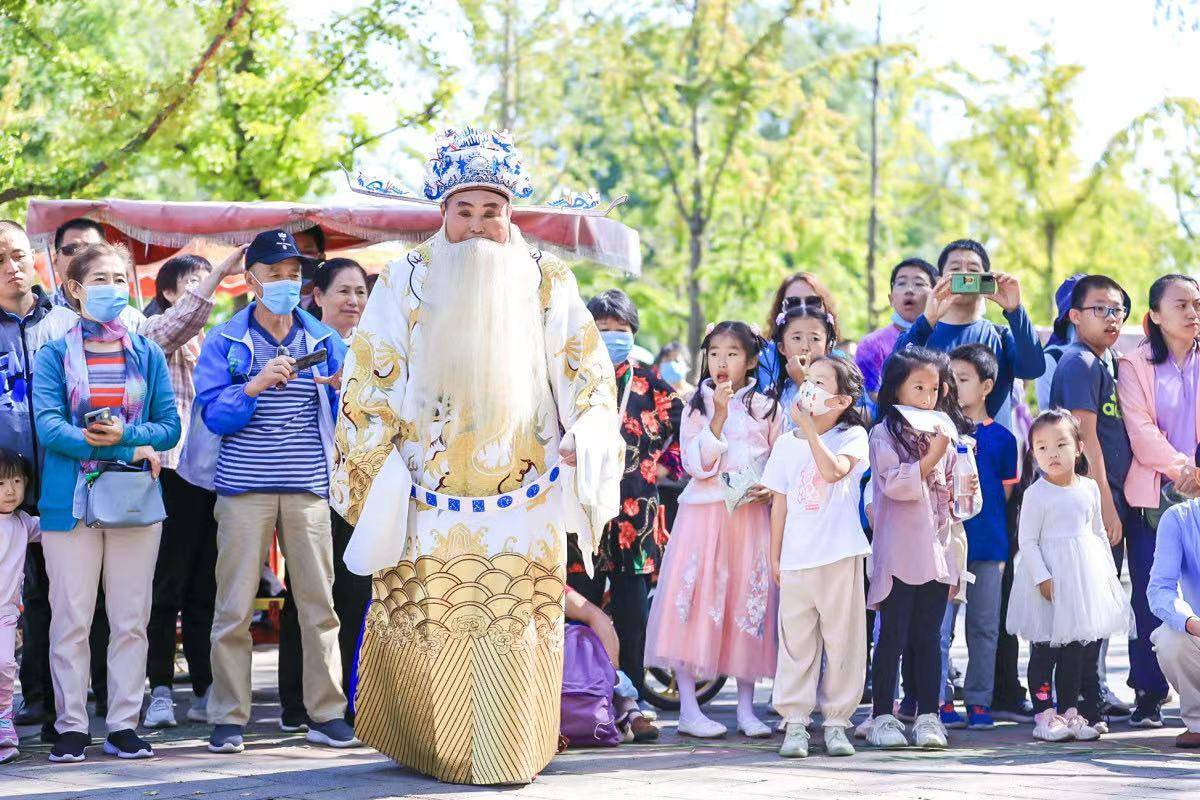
pixel 460 669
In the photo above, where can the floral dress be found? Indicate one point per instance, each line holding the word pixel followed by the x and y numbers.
pixel 632 542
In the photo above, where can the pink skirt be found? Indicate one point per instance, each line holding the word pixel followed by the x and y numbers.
pixel 715 606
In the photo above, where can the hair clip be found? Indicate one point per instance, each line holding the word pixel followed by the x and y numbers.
pixel 709 328
pixel 779 319
pixel 755 329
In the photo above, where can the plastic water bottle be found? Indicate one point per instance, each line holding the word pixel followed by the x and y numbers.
pixel 964 471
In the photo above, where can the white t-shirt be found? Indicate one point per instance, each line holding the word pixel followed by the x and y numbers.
pixel 822 525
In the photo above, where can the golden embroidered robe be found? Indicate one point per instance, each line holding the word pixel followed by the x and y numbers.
pixel 460 667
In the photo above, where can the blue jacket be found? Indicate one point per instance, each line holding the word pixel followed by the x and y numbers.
pixel 157 426
pixel 221 400
pixel 16 367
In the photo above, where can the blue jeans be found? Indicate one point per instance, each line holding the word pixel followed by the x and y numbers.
pixel 983 633
pixel 1145 676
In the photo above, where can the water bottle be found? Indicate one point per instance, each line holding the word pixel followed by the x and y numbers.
pixel 964 471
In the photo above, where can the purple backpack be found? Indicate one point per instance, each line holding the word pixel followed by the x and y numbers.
pixel 588 678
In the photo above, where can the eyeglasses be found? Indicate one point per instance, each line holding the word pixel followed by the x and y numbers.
pixel 70 250
pixel 808 301
pixel 1106 312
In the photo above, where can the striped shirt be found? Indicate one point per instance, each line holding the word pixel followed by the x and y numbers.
pixel 280 450
pixel 106 378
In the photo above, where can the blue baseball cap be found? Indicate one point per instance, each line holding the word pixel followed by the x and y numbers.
pixel 271 247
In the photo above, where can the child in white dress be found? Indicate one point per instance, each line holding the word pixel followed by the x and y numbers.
pixel 1066 596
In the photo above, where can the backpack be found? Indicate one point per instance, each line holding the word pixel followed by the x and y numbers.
pixel 588 718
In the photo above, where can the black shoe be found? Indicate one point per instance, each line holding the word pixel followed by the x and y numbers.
pixel 31 714
pixel 293 721
pixel 1115 712
pixel 1147 714
pixel 49 733
pixel 1013 712
pixel 126 744
pixel 70 747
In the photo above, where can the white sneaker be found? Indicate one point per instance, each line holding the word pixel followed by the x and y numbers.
pixel 1081 731
pixel 795 741
pixel 887 732
pixel 836 743
pixel 1048 726
pixel 929 733
pixel 703 728
pixel 1101 727
pixel 161 712
pixel 754 728
pixel 864 728
pixel 199 709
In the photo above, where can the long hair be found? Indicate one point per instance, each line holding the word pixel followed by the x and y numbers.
pixel 1059 416
pixel 788 315
pixel 896 370
pixel 850 383
pixel 1159 352
pixel 752 343
pixel 819 288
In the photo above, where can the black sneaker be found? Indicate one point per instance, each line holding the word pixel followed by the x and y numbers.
pixel 1147 714
pixel 293 721
pixel 126 744
pixel 1113 710
pixel 1013 712
pixel 70 747
pixel 31 714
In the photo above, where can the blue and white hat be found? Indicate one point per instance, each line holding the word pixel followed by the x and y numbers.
pixel 470 158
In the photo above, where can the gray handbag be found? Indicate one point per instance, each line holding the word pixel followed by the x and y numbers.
pixel 123 496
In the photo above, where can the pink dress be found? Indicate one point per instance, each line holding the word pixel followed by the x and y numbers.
pixel 16 530
pixel 912 519
pixel 715 606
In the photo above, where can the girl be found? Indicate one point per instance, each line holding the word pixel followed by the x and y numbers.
pixel 1066 596
pixel 715 607
pixel 802 334
pixel 1157 389
pixel 913 569
pixel 797 289
pixel 17 529
pixel 817 552
pixel 99 364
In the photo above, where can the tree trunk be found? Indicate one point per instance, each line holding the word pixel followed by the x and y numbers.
pixel 873 217
pixel 696 313
pixel 508 68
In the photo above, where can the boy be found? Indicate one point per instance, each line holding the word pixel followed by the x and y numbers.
pixel 975 368
pixel 1085 384
pixel 912 281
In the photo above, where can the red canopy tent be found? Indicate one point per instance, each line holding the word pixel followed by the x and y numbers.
pixel 155 230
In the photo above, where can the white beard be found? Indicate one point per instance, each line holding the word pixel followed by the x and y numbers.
pixel 484 352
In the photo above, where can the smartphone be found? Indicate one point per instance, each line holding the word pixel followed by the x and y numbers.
pixel 99 415
pixel 972 283
pixel 313 358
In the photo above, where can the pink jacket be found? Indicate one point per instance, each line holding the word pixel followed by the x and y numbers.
pixel 745 441
pixel 1153 455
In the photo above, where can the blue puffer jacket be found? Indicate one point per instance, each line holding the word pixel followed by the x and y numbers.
pixel 222 403
pixel 157 426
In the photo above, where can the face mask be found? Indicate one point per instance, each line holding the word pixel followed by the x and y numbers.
pixel 813 398
pixel 672 371
pixel 104 302
pixel 280 297
pixel 619 344
pixel 900 322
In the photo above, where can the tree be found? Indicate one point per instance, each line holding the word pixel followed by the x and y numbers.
pixel 241 105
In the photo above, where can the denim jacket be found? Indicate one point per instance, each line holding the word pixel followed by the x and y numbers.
pixel 221 400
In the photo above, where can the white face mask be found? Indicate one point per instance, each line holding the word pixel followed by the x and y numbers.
pixel 813 398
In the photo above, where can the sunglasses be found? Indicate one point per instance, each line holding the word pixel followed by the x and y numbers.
pixel 808 301
pixel 70 250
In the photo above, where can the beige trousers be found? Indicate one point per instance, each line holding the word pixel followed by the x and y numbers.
pixel 245 525
pixel 1179 657
pixel 76 562
pixel 821 611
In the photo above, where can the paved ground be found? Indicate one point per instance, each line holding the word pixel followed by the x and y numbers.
pixel 1005 763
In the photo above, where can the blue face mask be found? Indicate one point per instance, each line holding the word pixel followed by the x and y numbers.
pixel 672 371
pixel 280 297
pixel 900 322
pixel 104 302
pixel 619 344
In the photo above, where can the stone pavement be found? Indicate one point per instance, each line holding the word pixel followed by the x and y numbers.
pixel 1004 763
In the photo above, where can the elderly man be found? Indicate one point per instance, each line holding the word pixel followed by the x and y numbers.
pixel 478 426
pixel 1174 596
